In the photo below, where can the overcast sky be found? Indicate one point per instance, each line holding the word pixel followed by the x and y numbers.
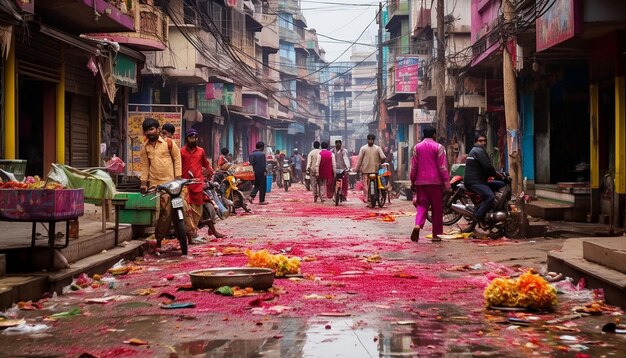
pixel 343 20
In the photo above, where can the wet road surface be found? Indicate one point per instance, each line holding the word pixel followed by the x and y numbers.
pixel 366 290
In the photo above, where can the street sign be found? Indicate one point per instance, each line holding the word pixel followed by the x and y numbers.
pixel 421 115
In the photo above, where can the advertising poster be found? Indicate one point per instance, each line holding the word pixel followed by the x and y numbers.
pixel 406 74
pixel 136 137
pixel 559 23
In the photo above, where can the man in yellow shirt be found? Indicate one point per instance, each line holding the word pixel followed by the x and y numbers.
pixel 160 163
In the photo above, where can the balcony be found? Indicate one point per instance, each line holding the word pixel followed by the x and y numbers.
pixel 268 37
pixel 398 9
pixel 288 35
pixel 151 30
pixel 288 6
pixel 85 16
pixel 287 66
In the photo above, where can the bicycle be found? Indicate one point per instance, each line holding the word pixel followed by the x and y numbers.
pixel 377 191
pixel 339 178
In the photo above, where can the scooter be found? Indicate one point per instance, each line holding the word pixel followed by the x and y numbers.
pixel 212 207
pixel 498 220
pixel 174 189
pixel 286 175
pixel 231 191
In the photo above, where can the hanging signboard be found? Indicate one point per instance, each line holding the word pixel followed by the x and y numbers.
pixel 136 137
pixel 406 74
pixel 423 116
pixel 561 21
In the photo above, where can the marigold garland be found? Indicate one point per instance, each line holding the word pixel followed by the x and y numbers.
pixel 529 290
pixel 281 264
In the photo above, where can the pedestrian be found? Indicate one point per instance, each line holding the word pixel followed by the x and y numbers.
pixel 325 169
pixel 259 165
pixel 342 164
pixel 167 131
pixel 196 165
pixel 370 158
pixel 160 163
pixel 478 169
pixel 223 163
pixel 296 162
pixel 311 168
pixel 429 178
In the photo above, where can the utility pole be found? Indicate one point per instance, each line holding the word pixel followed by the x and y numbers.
pixel 512 125
pixel 440 75
pixel 345 113
pixel 379 76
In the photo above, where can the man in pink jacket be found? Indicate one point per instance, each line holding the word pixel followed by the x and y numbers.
pixel 429 177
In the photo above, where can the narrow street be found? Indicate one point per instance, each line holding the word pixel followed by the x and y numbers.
pixel 366 290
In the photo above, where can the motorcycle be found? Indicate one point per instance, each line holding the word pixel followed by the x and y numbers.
pixel 451 217
pixel 340 176
pixel 174 189
pixel 286 174
pixel 497 221
pixel 307 180
pixel 230 191
pixel 377 192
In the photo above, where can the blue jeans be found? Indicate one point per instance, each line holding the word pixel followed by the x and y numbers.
pixel 259 186
pixel 487 197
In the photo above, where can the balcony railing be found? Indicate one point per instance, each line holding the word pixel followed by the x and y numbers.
pixel 288 6
pixel 288 35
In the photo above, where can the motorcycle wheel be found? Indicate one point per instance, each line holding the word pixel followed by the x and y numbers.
pixel 286 185
pixel 471 225
pixel 450 217
pixel 373 192
pixel 240 202
pixel 181 234
pixel 337 196
pixel 382 197
pixel 307 184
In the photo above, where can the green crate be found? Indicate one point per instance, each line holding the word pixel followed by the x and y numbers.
pixel 138 217
pixel 138 201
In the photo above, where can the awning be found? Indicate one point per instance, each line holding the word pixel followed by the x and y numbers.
pixel 69 39
pixel 239 114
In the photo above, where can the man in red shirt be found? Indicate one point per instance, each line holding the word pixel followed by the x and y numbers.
pixel 196 164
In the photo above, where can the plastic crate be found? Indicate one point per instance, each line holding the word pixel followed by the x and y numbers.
pixel 15 166
pixel 138 217
pixel 138 201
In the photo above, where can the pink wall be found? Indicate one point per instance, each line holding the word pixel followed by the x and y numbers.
pixel 484 12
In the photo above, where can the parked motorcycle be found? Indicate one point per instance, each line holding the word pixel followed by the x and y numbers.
pixel 230 191
pixel 498 220
pixel 287 177
pixel 174 189
pixel 307 180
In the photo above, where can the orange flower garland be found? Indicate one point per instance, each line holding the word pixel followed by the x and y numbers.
pixel 529 290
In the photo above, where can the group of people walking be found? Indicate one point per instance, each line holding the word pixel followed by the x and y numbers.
pixel 163 161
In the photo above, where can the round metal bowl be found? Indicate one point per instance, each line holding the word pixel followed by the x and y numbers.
pixel 257 278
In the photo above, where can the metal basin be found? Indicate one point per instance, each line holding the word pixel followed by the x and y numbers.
pixel 257 278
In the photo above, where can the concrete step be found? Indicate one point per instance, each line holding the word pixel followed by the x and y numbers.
pixel 24 287
pixel 570 261
pixel 547 210
pixel 610 253
pixel 94 242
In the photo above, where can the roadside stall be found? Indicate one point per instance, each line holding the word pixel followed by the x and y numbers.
pixel 41 202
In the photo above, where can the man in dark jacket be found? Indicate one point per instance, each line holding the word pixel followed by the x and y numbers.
pixel 259 164
pixel 478 169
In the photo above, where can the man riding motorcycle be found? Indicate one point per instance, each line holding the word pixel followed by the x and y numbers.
pixel 478 169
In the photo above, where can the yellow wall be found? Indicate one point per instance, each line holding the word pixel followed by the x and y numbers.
pixel 620 136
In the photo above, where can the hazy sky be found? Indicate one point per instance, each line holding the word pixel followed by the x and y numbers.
pixel 342 20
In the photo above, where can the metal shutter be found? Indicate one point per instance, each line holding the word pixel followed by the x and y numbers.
pixel 80 108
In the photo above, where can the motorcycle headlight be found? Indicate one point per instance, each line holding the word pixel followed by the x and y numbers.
pixel 372 176
pixel 174 188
